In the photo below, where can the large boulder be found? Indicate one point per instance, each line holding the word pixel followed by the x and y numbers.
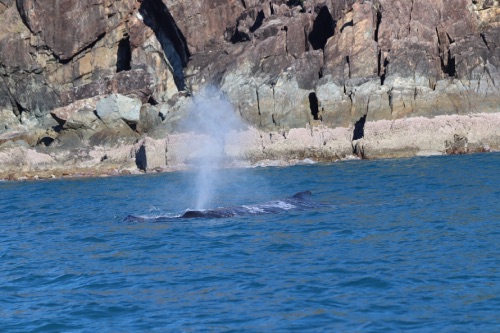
pixel 151 154
pixel 117 107
pixel 78 115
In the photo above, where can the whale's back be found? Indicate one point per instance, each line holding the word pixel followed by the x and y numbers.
pixel 299 201
pixel 302 195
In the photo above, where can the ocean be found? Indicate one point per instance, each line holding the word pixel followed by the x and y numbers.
pixel 407 245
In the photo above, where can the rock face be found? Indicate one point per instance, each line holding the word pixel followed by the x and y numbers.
pixel 67 27
pixel 76 74
pixel 381 60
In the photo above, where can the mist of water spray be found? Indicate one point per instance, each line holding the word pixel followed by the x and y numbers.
pixel 211 117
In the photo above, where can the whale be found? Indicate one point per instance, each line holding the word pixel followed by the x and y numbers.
pixel 298 202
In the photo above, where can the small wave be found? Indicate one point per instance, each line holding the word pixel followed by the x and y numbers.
pixel 93 239
pixel 145 218
pixel 307 161
pixel 367 282
pixel 136 218
pixel 350 158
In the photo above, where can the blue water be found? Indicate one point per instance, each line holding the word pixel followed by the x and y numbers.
pixel 407 245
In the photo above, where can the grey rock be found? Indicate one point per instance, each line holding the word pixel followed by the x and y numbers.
pixel 32 94
pixel 113 137
pixel 151 154
pixel 83 119
pixel 150 117
pixel 117 107
pixel 69 140
pixel 8 120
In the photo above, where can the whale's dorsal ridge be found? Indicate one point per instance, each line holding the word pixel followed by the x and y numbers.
pixel 193 213
pixel 302 195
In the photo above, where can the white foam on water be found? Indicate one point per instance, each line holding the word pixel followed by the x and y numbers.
pixel 254 209
pixel 307 161
pixel 280 204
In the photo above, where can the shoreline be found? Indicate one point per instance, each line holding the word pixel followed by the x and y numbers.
pixel 401 138
pixel 41 176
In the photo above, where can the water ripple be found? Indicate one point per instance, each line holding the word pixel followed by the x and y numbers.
pixel 401 245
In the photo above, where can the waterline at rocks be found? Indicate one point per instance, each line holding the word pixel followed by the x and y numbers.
pixel 454 134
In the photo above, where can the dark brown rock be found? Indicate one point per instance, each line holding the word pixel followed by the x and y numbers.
pixel 86 20
pixel 457 147
pixel 15 42
pixel 136 83
pixel 205 22
pixel 5 99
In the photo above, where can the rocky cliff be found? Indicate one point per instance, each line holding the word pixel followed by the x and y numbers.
pixel 81 75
